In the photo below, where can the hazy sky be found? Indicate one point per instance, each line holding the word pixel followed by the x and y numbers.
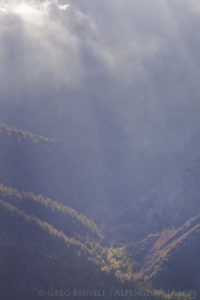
pixel 121 75
pixel 141 57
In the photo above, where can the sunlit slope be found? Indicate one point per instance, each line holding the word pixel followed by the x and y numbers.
pixel 45 245
pixel 35 255
pixel 171 258
pixel 62 217
pixel 168 260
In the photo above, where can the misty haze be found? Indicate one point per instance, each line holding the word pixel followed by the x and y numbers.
pixel 99 156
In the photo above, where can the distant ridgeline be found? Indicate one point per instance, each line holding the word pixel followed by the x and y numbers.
pixel 42 165
pixel 168 204
pixel 57 169
pixel 47 245
pixel 22 157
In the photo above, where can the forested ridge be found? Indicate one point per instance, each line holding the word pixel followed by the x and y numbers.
pixel 46 244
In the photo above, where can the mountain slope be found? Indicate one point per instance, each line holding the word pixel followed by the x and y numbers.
pixel 170 203
pixel 171 258
pixel 35 257
pixel 61 171
pixel 46 246
pixel 62 217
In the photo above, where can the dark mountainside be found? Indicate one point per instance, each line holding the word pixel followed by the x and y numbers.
pixel 45 245
pixel 49 241
pixel 34 163
pixel 169 203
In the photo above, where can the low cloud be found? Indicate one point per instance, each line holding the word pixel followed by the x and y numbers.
pixel 119 74
pixel 142 57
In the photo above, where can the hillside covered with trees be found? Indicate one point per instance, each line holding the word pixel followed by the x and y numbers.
pixel 45 244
